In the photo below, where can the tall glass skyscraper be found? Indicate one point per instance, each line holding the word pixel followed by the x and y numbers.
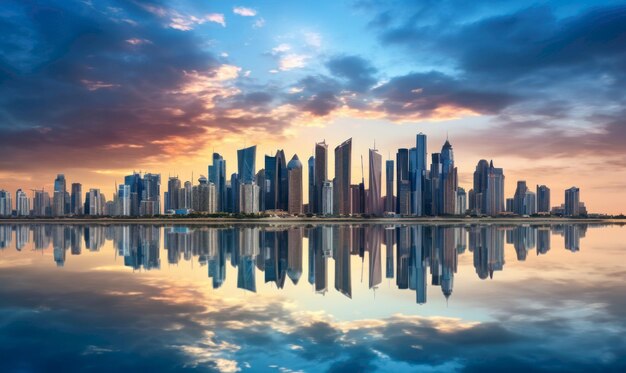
pixel 343 176
pixel 321 173
pixel 246 164
pixel 374 196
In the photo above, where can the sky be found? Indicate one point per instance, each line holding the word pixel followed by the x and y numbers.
pixel 97 89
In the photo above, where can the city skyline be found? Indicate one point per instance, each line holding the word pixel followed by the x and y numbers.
pixel 421 189
pixel 164 84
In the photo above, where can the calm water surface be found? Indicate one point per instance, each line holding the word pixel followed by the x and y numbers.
pixel 312 298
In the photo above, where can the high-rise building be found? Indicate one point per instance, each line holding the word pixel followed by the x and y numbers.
pixel 402 175
pixel 312 193
pixel 173 190
pixel 572 201
pixel 493 196
pixel 390 205
pixel 6 205
pixel 404 198
pixel 374 203
pixel 343 177
pixel 434 203
pixel 123 200
pixel 530 203
pixel 282 183
pixel 321 173
pixel 76 205
pixel 449 182
pixel 217 176
pixel 94 203
pixel 136 185
pixel 519 206
pixel 478 200
pixel 22 203
pixel 204 196
pixel 249 198
pixel 294 177
pixel 58 205
pixel 41 204
pixel 246 164
pixel 270 183
pixel 461 201
pixel 543 198
pixel 327 198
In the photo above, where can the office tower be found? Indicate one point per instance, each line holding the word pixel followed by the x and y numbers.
pixel 246 164
pixel 41 204
pixel 449 182
pixel 294 180
pixel 270 183
pixel 321 173
pixel 434 202
pixel 343 177
pixel 543 198
pixel 22 203
pixel 136 185
pixel 461 202
pixel 186 200
pixel 58 202
pixel 217 176
pixel 530 203
pixel 123 200
pixel 6 206
pixel 509 205
pixel 204 196
pixel 493 196
pixel 374 195
pixel 402 175
pixel 477 202
pixel 173 189
pixel 404 198
pixel 150 198
pixel 282 183
pixel 416 189
pixel 312 193
pixel 94 203
pixel 249 198
pixel 233 205
pixel 390 205
pixel 572 201
pixel 356 194
pixel 260 180
pixel 327 198
pixel 519 198
pixel 76 205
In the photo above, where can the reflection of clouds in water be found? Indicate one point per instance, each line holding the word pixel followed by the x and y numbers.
pixel 111 320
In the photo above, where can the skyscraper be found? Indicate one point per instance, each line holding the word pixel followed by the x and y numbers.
pixel 136 186
pixel 173 189
pixel 493 195
pixel 478 200
pixel 543 198
pixel 312 193
pixel 572 201
pixel 461 201
pixel 327 198
pixel 390 205
pixel 519 206
pixel 270 183
pixel 294 170
pixel 282 183
pixel 374 196
pixel 22 203
pixel 449 182
pixel 60 190
pixel 150 198
pixel 6 205
pixel 217 176
pixel 343 177
pixel 76 205
pixel 246 164
pixel 123 200
pixel 41 203
pixel 402 175
pixel 249 198
pixel 321 173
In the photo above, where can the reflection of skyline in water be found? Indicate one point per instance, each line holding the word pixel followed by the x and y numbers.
pixel 413 255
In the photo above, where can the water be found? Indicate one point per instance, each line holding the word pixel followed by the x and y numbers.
pixel 312 298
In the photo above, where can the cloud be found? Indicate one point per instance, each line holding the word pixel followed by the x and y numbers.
pixel 244 12
pixel 292 61
pixel 187 22
pixel 358 72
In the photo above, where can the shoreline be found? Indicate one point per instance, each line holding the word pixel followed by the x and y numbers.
pixel 315 221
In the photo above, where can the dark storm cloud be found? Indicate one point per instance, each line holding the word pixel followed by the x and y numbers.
pixel 357 71
pixel 79 78
pixel 425 92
